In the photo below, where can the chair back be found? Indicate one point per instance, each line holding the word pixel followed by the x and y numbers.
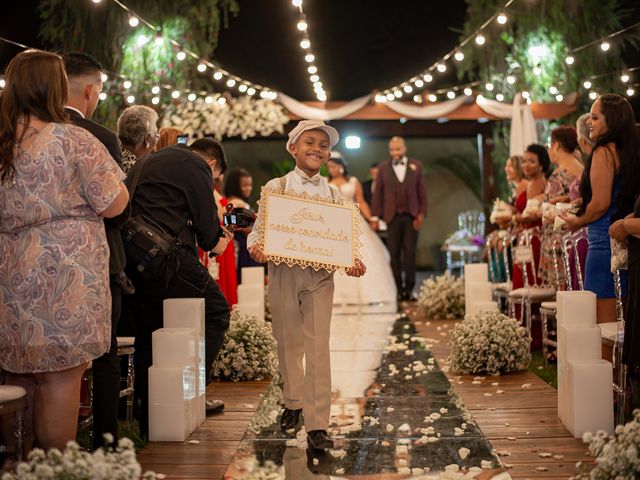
pixel 574 251
pixel 472 221
pixel 524 256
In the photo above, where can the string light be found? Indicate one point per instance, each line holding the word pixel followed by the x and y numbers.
pixel 605 46
pixel 624 78
pixel 428 78
pixel 127 84
pixel 312 69
pixel 181 55
pixel 418 83
pixel 480 39
pixel 553 90
pixel 314 78
pixel 391 97
pixel 102 96
pixel 296 3
pixel 96 1
pixel 222 100
pixel 537 70
pixel 202 67
pixel 433 98
pixel 155 100
pixel 500 97
pixel 511 79
pixel 593 95
pixel 2 83
pixel 155 90
pixel 441 67
pixel 459 56
pixel 130 99
pixel 451 95
pixel 305 44
pixel 192 97
pixel 468 91
pixel 630 92
pixel 309 57
pixel 231 83
pixel 218 75
pixel 526 95
pixel 587 84
pixel 158 40
pixel 559 97
pixel 208 100
pixel 104 77
pixel 569 60
pixel 251 91
pixel 175 94
pixel 489 86
pixel 242 88
pixel 407 88
pixel 302 25
pixel 133 22
pixel 397 93
pixel 502 18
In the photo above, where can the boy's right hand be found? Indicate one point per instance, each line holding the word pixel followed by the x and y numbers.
pixel 257 254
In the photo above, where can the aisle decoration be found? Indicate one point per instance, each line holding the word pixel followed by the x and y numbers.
pixel 616 457
pixel 489 342
pixel 442 297
pixel 117 463
pixel 248 352
pixel 243 116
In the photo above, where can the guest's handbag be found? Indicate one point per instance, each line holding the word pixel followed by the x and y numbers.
pixel 147 244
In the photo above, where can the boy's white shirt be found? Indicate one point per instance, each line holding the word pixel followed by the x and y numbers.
pixel 298 182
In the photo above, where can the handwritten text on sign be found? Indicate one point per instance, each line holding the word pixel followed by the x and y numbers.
pixel 310 231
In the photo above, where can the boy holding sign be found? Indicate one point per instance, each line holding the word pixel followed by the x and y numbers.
pixel 301 298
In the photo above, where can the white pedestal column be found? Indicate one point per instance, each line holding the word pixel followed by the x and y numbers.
pixel 252 294
pixel 171 403
pixel 253 276
pixel 591 400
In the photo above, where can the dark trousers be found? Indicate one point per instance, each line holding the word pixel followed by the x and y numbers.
pixel 106 378
pixel 191 281
pixel 402 240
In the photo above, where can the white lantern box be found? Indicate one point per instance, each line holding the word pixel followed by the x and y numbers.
pixel 253 276
pixel 172 403
pixel 174 347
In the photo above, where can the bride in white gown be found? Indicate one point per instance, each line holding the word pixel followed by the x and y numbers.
pixel 377 285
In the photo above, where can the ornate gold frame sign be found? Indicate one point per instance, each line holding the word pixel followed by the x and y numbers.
pixel 309 231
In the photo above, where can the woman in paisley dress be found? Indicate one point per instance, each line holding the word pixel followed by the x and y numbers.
pixel 377 285
pixel 564 142
pixel 57 181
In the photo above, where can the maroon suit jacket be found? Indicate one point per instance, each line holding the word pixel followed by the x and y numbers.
pixel 383 204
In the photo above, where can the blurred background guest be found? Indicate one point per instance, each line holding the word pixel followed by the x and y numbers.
pixel 168 136
pixel 138 133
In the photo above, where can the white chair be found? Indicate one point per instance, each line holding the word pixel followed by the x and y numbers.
pixel 531 293
pixel 13 400
pixel 620 383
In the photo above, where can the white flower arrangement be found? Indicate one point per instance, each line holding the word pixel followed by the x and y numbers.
pixel 617 457
pixel 489 342
pixel 249 350
pixel 243 116
pixel 442 297
pixel 117 463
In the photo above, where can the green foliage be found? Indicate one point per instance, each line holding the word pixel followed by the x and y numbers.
pixel 102 30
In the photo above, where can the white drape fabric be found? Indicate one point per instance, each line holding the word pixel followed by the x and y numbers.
pixel 313 113
pixel 437 110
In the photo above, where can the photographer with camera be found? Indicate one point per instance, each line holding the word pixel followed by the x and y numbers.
pixel 172 212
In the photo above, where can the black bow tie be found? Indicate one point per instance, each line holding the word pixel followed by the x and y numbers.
pixel 398 162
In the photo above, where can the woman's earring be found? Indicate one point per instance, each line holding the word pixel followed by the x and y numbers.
pixel 146 144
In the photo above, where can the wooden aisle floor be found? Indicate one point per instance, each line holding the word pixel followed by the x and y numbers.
pixel 521 423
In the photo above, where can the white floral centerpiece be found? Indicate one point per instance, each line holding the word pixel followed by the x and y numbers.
pixel 489 342
pixel 117 463
pixel 442 297
pixel 617 457
pixel 500 212
pixel 249 350
pixel 243 116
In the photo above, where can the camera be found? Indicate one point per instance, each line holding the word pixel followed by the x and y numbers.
pixel 238 217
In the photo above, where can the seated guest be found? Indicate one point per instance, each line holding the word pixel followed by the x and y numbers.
pixel 138 133
pixel 55 304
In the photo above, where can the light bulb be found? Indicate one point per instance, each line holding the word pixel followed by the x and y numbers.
pixel 155 90
pixel 605 46
pixel 191 97
pixel 302 25
pixel 231 82
pixel 217 75
pixel 296 3
pixel 468 91
pixel 480 39
pixel 158 40
pixel 630 92
pixel 427 77
pixel 309 57
pixel 407 89
pixel 208 99
pixel 380 98
pixel 587 84
pixel 155 100
pixel 525 95
pixel 569 60
pixel 175 94
pixel 242 88
pixel 312 69
pixel 511 79
pixel 322 97
pixel 317 84
pixel 314 78
pixel 305 44
pixel 419 83
pixel 459 56
pixel 433 97
pixel 489 86
pixel 397 93
pixel 502 18
pixel 133 21
pixel 181 55
pixel 96 1
pixel 127 84
pixel 593 95
pixel 537 71
pixel 104 77
pixel 441 67
pixel 559 97
pixel 451 95
pixel 553 90
pixel 131 99
pixel 102 96
pixel 417 98
pixel 142 40
pixel 391 97
pixel 222 100
pixel 500 97
pixel 251 91
pixel 624 77
pixel 202 67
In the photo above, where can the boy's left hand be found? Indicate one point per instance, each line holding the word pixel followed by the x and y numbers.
pixel 357 270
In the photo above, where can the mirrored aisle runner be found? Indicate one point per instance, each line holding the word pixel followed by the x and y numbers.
pixel 394 413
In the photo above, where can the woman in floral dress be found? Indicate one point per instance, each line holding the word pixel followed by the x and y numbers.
pixel 568 169
pixel 57 181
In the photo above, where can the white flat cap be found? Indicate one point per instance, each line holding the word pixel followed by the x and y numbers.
pixel 305 125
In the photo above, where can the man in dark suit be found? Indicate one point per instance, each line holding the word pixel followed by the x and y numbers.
pixel 85 83
pixel 400 199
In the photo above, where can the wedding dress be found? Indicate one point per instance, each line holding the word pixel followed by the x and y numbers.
pixel 375 286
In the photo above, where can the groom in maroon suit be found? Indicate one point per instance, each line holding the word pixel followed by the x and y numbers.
pixel 400 199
